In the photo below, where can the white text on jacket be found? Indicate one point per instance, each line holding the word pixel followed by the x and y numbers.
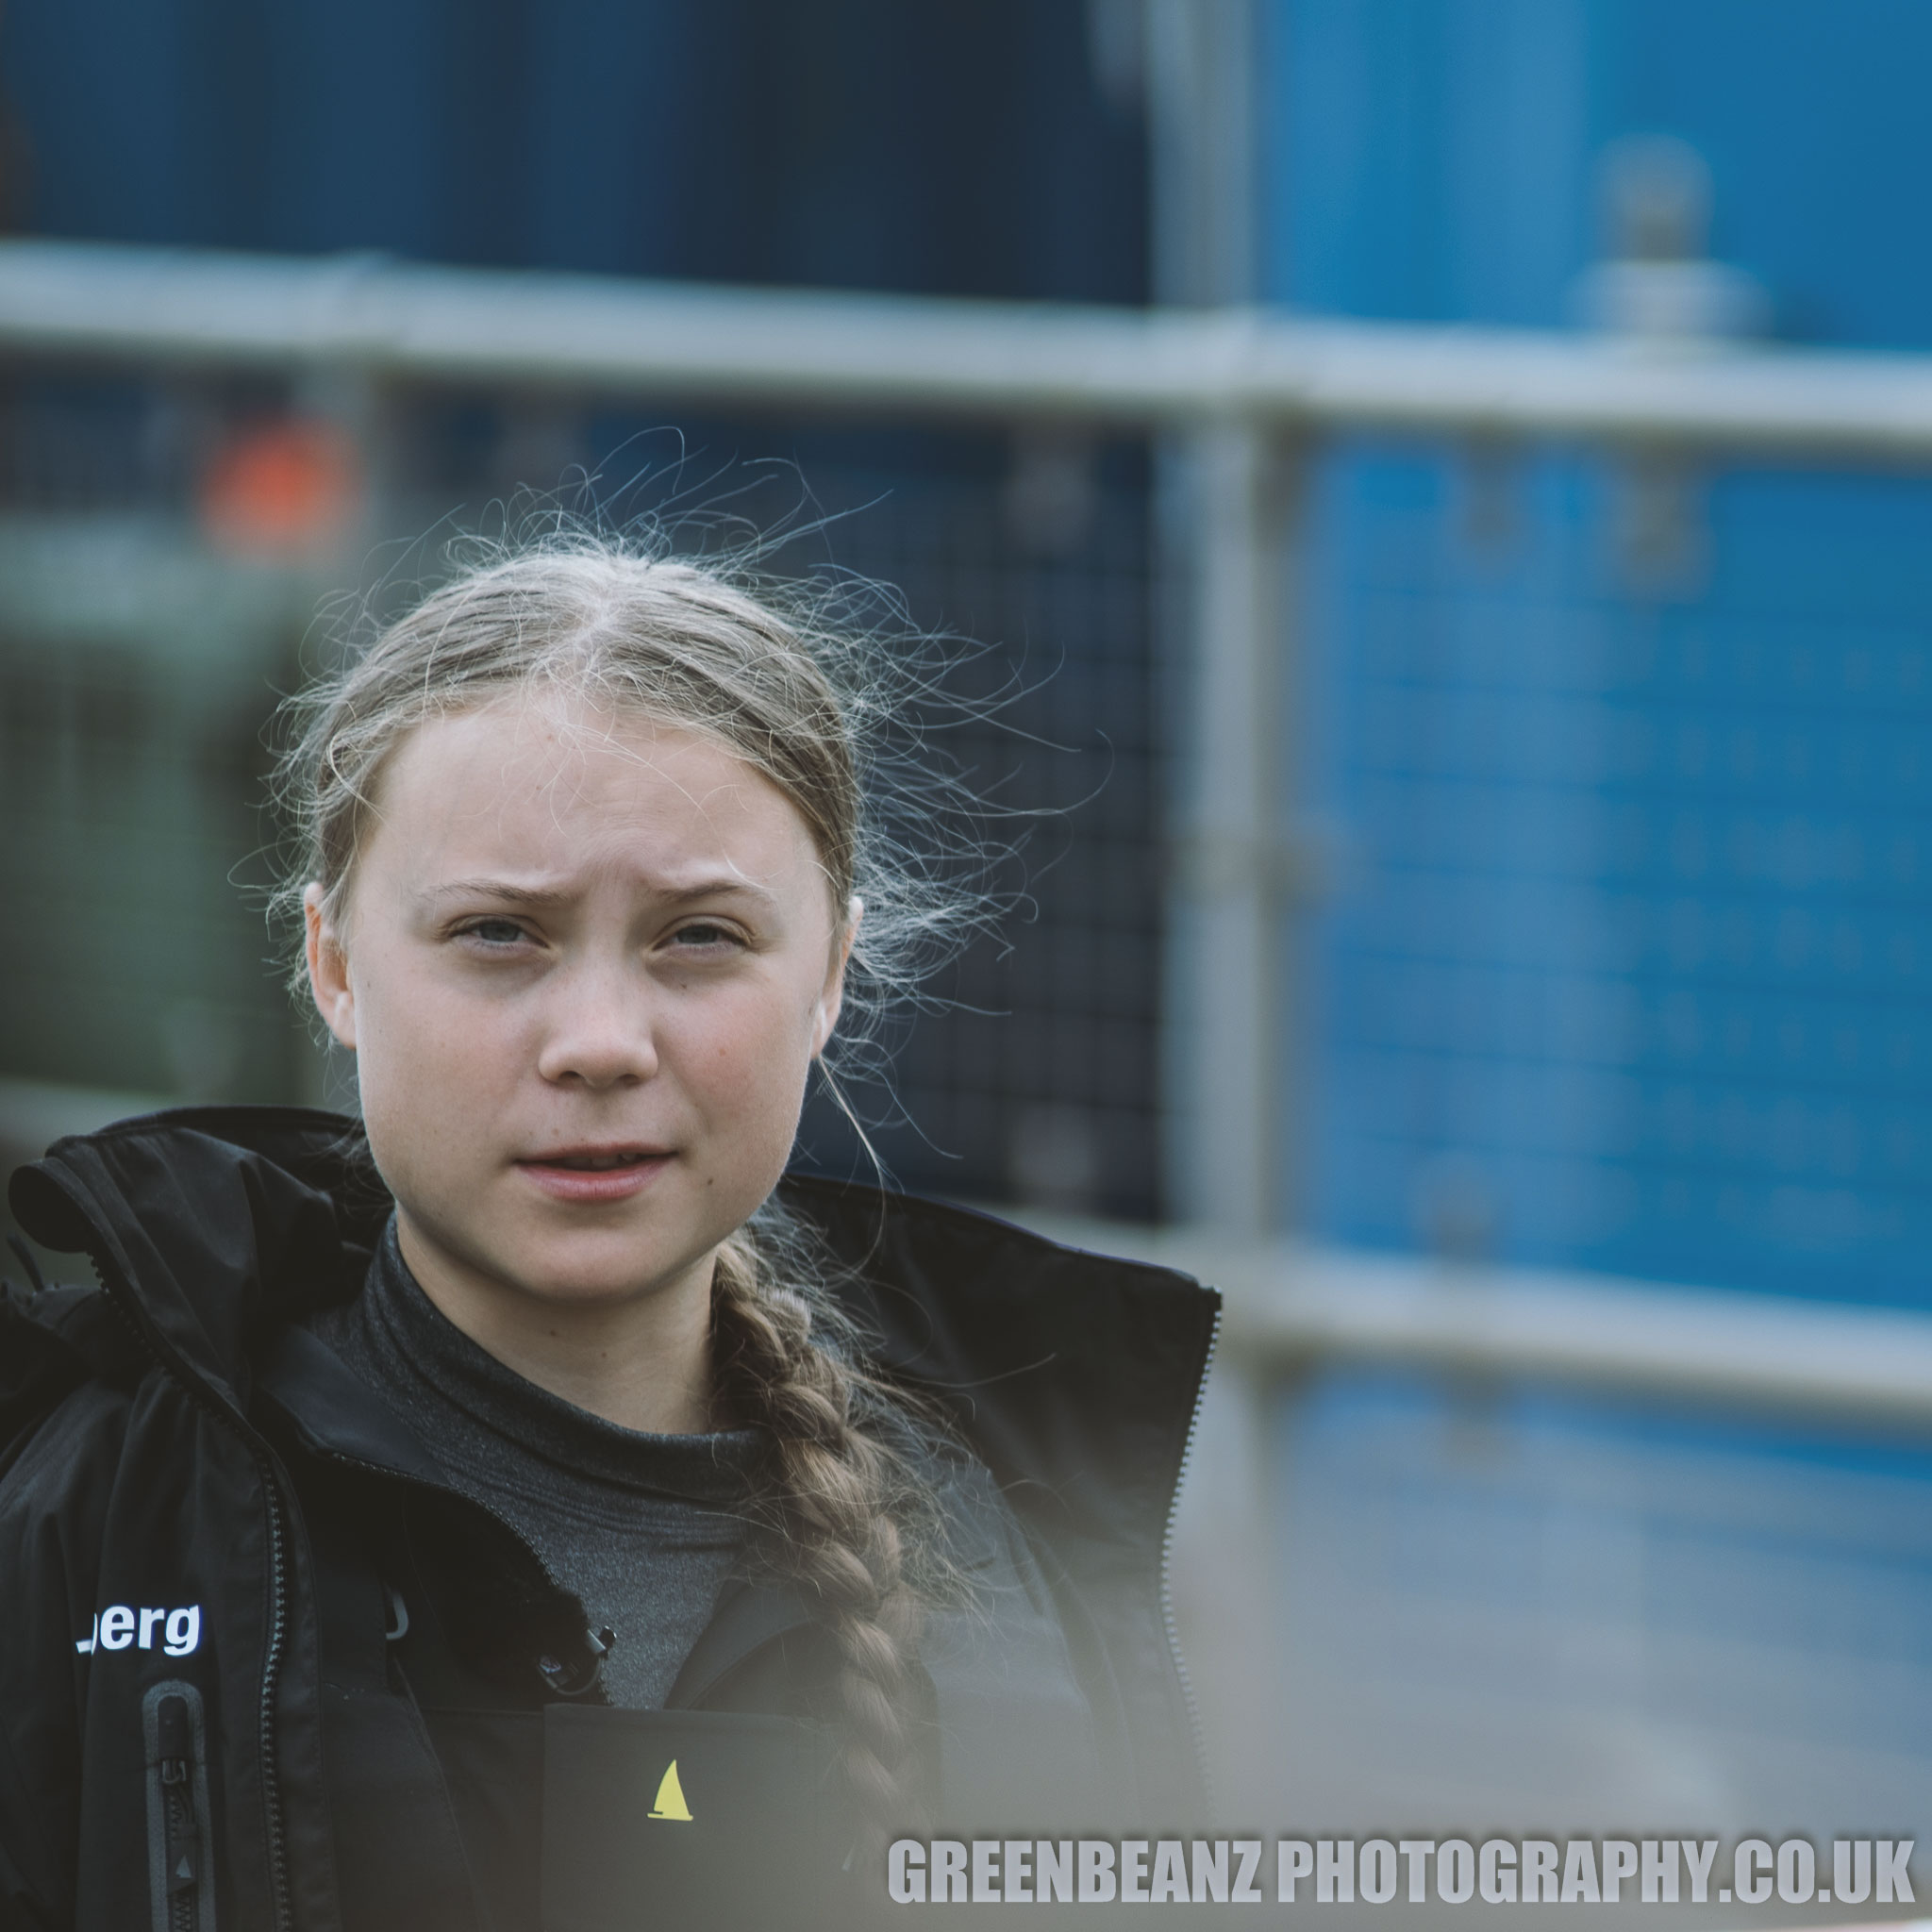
pixel 118 1626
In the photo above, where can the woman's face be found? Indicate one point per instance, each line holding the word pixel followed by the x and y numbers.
pixel 586 964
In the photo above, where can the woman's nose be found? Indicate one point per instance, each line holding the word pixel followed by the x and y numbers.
pixel 599 1031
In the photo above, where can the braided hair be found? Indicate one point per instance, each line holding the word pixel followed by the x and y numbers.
pixel 837 1510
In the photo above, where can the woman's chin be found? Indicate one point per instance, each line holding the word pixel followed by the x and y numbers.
pixel 587 1274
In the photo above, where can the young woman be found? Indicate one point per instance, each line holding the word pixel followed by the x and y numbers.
pixel 524 1506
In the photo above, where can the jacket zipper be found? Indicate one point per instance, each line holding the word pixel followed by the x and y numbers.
pixel 1166 1617
pixel 180 1839
pixel 271 1675
pixel 278 1593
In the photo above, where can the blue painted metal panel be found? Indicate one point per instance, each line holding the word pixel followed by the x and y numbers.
pixel 1628 969
pixel 1432 158
pixel 1633 928
pixel 958 148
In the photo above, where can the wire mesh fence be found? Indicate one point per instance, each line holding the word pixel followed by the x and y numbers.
pixel 1630 974
pixel 168 544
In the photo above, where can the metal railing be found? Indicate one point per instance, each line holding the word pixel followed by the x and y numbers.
pixel 1291 1307
pixel 903 355
pixel 1251 393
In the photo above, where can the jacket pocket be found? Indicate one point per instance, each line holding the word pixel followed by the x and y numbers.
pixel 180 1836
pixel 704 1819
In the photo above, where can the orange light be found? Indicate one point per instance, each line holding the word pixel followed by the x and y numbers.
pixel 283 487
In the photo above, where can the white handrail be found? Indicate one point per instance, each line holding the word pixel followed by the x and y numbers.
pixel 913 354
pixel 1291 1306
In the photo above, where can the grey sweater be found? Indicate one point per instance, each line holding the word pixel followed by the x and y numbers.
pixel 644 1528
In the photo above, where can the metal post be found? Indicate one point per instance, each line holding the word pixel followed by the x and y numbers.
pixel 1221 612
pixel 1227 986
pixel 1200 75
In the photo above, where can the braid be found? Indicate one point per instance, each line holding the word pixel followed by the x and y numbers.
pixel 831 1514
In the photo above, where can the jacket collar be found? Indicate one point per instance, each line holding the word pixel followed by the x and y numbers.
pixel 1074 1376
pixel 209 1226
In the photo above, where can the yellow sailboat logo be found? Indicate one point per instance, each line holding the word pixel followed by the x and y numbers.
pixel 671 1798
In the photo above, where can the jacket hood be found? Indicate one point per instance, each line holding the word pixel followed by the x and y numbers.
pixel 1073 1376
pixel 209 1226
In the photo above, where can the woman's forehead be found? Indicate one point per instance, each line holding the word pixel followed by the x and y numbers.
pixel 553 783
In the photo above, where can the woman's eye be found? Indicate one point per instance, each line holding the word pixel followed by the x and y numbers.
pixel 706 936
pixel 493 932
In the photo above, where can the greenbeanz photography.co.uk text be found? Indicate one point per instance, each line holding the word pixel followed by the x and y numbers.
pixel 1687 1869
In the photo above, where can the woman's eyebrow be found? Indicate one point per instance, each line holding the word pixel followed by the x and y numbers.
pixel 503 890
pixel 725 886
pixel 714 885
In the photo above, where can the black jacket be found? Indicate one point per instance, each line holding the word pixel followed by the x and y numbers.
pixel 260 1662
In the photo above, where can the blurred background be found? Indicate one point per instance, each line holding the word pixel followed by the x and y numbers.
pixel 1477 803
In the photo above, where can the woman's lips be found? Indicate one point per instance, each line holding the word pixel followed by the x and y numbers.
pixel 568 1176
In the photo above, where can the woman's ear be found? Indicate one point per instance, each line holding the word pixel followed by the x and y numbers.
pixel 328 970
pixel 832 994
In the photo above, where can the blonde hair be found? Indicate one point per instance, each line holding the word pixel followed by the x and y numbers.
pixel 770 674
